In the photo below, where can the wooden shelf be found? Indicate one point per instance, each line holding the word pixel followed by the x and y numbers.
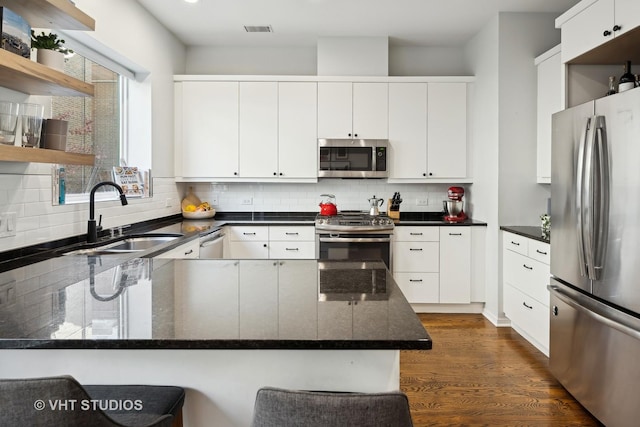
pixel 27 76
pixel 52 14
pixel 10 153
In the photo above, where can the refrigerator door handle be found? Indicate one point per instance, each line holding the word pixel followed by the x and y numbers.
pixel 580 187
pixel 590 190
pixel 598 311
pixel 601 197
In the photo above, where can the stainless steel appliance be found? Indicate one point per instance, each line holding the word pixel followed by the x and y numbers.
pixel 595 284
pixel 211 245
pixel 354 236
pixel 352 158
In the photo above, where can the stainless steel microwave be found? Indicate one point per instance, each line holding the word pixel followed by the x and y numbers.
pixel 353 158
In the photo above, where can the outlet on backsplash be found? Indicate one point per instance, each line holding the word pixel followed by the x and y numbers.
pixel 7 224
pixel 247 201
pixel 423 201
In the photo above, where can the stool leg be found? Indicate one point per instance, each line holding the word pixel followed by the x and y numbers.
pixel 177 421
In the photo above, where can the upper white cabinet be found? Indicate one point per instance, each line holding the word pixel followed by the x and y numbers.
pixel 428 130
pixel 550 100
pixel 447 130
pixel 297 130
pixel 258 153
pixel 353 110
pixel 207 120
pixel 591 23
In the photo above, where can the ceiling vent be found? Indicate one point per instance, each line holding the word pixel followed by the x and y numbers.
pixel 258 29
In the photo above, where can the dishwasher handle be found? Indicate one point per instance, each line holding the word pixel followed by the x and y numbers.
pixel 211 240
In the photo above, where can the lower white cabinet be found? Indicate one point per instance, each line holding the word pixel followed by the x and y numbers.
pixel 433 264
pixel 526 273
pixel 188 250
pixel 271 242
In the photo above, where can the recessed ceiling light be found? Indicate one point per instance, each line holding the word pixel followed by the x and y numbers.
pixel 258 28
pixel 191 1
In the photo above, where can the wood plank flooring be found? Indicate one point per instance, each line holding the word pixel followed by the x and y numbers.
pixel 477 374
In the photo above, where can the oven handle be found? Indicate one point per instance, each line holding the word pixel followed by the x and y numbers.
pixel 355 239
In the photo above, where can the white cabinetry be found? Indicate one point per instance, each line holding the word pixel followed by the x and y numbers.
pixel 297 130
pixel 550 101
pixel 271 242
pixel 591 23
pixel 188 250
pixel 353 110
pixel 258 129
pixel 526 277
pixel 427 123
pixel 207 129
pixel 433 264
pixel 447 130
pixel 455 265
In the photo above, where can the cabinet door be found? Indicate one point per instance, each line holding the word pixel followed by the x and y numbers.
pixel 335 109
pixel 209 129
pixel 371 110
pixel 248 250
pixel 550 89
pixel 258 129
pixel 297 130
pixel 447 130
pixel 408 130
pixel 297 320
pixel 419 287
pixel 258 295
pixel 585 31
pixel 455 265
pixel 627 15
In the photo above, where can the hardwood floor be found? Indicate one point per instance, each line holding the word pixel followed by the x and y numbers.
pixel 477 374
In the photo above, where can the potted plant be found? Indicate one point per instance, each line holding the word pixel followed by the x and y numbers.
pixel 51 50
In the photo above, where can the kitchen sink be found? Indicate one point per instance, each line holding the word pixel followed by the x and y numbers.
pixel 137 243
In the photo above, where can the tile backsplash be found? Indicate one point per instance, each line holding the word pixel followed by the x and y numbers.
pixel 26 190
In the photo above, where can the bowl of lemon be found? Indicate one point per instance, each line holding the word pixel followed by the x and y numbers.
pixel 194 208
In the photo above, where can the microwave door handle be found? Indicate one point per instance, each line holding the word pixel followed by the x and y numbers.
pixel 579 197
pixel 601 208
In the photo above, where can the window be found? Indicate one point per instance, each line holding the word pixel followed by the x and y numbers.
pixel 96 125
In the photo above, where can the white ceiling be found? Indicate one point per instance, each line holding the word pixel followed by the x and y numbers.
pixel 301 22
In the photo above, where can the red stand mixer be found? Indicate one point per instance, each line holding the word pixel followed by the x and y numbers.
pixel 454 207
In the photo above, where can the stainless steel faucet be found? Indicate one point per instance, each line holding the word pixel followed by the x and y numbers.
pixel 92 228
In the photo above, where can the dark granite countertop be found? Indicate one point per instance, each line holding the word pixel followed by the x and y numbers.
pixel 531 232
pixel 150 303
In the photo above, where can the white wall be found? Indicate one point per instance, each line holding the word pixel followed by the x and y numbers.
pixel 504 161
pixel 403 61
pixel 25 188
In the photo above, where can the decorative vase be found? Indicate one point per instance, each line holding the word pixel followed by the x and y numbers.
pixel 51 58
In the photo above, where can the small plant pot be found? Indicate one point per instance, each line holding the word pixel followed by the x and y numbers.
pixel 51 58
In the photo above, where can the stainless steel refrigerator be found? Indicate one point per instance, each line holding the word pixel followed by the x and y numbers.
pixel 594 348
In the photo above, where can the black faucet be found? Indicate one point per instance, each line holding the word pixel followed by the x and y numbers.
pixel 92 229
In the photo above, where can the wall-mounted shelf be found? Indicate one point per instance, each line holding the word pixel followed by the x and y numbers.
pixel 27 76
pixel 10 153
pixel 58 14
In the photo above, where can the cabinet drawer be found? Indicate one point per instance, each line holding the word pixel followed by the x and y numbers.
pixel 295 233
pixel 419 287
pixel 248 233
pixel 248 250
pixel 416 257
pixel 540 251
pixel 528 314
pixel 292 250
pixel 188 250
pixel 515 242
pixel 416 234
pixel 528 275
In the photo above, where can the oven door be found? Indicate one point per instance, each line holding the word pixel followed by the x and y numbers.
pixel 353 246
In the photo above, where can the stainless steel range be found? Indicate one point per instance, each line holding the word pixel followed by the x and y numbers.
pixel 354 236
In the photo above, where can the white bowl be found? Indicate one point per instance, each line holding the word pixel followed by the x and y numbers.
pixel 199 215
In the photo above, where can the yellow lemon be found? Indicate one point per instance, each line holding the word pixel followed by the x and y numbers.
pixel 190 208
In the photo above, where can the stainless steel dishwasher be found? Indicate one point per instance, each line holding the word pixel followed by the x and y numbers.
pixel 212 244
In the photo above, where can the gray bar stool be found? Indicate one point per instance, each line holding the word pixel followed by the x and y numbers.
pixel 62 401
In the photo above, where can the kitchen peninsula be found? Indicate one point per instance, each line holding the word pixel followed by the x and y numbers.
pixel 219 328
